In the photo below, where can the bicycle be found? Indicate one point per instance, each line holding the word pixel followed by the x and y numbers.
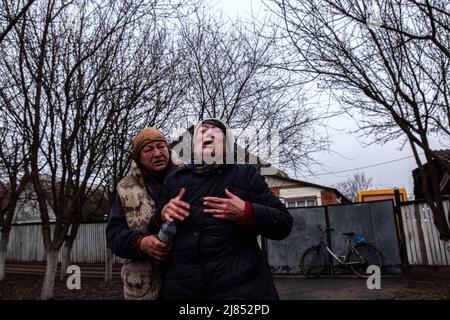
pixel 358 255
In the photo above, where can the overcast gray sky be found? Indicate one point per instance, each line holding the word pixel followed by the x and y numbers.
pixel 386 164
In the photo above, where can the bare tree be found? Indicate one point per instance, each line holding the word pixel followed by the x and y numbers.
pixel 150 93
pixel 13 180
pixel 14 174
pixel 352 185
pixel 231 74
pixel 133 85
pixel 75 80
pixel 11 12
pixel 387 59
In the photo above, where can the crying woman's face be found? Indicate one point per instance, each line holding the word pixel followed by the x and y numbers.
pixel 209 144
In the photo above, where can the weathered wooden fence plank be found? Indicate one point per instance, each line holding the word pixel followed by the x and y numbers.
pixel 423 245
pixel 405 220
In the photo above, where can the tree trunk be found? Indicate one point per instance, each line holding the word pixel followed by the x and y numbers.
pixel 3 251
pixel 109 265
pixel 50 274
pixel 437 206
pixel 434 202
pixel 67 250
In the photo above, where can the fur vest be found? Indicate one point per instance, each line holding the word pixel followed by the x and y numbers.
pixel 141 278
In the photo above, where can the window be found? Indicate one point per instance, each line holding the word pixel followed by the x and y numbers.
pixel 301 203
pixel 311 203
pixel 291 204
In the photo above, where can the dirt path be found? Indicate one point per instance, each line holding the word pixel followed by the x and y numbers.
pixel 351 288
pixel 343 288
pixel 28 287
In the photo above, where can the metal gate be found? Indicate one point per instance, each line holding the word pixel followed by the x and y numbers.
pixel 374 220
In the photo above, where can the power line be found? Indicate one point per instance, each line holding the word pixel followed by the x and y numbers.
pixel 354 169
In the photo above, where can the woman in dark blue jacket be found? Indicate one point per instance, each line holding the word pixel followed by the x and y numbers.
pixel 219 210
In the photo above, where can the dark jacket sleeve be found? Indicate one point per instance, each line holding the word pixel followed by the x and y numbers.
pixel 271 218
pixel 119 237
pixel 156 219
pixel 155 223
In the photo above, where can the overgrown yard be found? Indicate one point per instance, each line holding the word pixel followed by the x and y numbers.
pixel 27 287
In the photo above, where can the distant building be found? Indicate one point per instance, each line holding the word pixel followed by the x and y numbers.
pixel 297 193
pixel 27 208
pixel 95 208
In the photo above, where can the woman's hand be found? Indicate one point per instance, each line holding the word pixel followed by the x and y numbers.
pixel 154 247
pixel 176 209
pixel 230 209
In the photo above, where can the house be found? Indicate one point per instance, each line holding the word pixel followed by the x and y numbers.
pixel 27 208
pixel 298 193
pixel 442 173
pixel 95 208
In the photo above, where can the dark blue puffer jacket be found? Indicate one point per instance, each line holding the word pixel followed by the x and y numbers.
pixel 217 259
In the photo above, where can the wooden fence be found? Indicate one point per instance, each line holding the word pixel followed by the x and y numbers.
pixel 423 246
pixel 25 244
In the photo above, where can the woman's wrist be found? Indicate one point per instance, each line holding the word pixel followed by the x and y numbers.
pixel 247 215
pixel 139 251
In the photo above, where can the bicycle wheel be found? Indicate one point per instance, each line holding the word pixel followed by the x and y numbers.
pixel 312 262
pixel 362 256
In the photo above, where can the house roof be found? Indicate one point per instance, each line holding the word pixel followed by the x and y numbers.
pixel 284 176
pixel 94 208
pixel 443 153
pixel 442 173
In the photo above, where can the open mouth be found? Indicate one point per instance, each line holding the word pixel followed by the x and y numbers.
pixel 208 144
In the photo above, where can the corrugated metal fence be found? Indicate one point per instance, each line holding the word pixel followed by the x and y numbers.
pixel 374 220
pixel 423 245
pixel 26 244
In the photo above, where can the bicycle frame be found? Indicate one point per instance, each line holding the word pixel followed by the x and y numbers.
pixel 348 249
pixel 335 256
